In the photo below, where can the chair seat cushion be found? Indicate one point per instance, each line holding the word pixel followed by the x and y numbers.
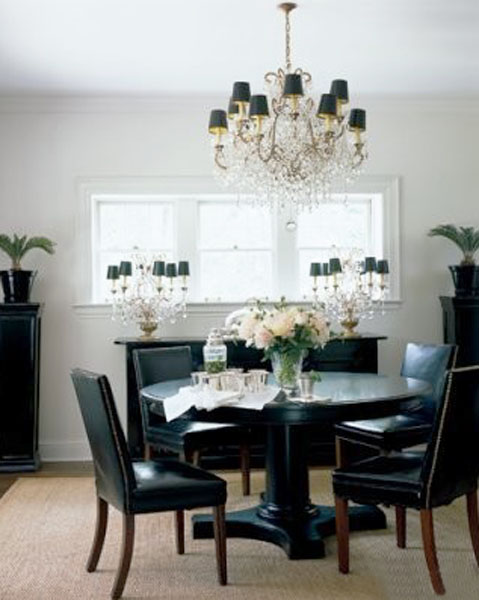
pixel 387 433
pixel 181 434
pixel 168 484
pixel 393 479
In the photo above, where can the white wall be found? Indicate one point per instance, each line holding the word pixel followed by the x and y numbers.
pixel 47 145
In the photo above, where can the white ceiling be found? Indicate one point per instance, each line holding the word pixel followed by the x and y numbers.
pixel 201 46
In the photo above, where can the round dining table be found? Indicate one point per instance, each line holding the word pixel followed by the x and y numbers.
pixel 285 515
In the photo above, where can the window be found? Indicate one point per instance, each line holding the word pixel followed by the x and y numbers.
pixel 235 251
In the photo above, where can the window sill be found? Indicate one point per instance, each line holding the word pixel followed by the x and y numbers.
pixel 198 309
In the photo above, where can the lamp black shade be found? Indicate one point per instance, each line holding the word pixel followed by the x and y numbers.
pixel 241 91
pixel 315 269
pixel 258 106
pixel 335 265
pixel 171 270
pixel 218 123
pixel 357 119
pixel 293 85
pixel 339 87
pixel 158 268
pixel 183 268
pixel 370 264
pixel 325 269
pixel 125 268
pixel 383 267
pixel 112 272
pixel 232 109
pixel 328 105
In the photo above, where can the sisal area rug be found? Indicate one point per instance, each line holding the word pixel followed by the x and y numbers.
pixel 46 527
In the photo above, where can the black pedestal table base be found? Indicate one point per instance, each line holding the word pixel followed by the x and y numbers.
pixel 286 517
pixel 299 539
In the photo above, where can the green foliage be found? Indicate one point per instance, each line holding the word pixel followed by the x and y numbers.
pixel 16 247
pixel 465 238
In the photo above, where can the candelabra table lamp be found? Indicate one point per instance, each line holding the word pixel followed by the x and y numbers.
pixel 350 289
pixel 148 292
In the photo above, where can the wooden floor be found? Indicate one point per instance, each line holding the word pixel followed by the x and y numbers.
pixel 53 469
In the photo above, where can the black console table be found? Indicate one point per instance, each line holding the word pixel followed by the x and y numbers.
pixel 19 386
pixel 359 355
pixel 461 327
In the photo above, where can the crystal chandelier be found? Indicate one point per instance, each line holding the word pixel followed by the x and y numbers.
pixel 282 147
pixel 350 289
pixel 149 292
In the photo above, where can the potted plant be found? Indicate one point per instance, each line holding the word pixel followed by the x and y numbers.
pixel 466 274
pixel 16 282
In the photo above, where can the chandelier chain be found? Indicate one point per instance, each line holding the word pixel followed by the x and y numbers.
pixel 288 43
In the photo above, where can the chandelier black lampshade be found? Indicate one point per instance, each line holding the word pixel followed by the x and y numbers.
pixel 335 265
pixel 339 87
pixel 293 85
pixel 218 123
pixel 328 105
pixel 258 106
pixel 241 91
pixel 125 268
pixel 171 270
pixel 370 265
pixel 183 268
pixel 325 269
pixel 232 109
pixel 357 119
pixel 315 269
pixel 383 267
pixel 158 268
pixel 112 272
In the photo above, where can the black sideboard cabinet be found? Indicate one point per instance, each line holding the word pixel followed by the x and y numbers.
pixel 460 317
pixel 354 354
pixel 19 386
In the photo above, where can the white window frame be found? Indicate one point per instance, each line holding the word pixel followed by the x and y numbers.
pixel 190 190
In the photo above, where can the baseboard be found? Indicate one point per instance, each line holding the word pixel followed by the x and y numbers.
pixel 64 451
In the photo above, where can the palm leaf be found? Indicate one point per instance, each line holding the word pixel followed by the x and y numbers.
pixel 465 238
pixel 41 243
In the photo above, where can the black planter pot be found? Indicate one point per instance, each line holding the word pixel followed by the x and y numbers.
pixel 17 285
pixel 466 279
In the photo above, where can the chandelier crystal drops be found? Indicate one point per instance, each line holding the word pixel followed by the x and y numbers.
pixel 351 288
pixel 282 147
pixel 150 291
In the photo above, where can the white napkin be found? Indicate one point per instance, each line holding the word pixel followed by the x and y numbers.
pixel 207 399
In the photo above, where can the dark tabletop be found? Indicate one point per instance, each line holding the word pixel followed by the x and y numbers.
pixel 353 396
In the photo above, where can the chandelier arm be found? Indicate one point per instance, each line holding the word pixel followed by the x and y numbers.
pixel 288 43
pixel 217 159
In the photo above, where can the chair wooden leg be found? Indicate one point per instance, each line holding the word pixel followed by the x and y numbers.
pixel 342 533
pixel 245 468
pixel 100 530
pixel 196 458
pixel 147 452
pixel 220 543
pixel 180 531
pixel 126 554
pixel 473 522
pixel 401 526
pixel 192 457
pixel 427 529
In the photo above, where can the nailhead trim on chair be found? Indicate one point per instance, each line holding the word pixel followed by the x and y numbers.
pixel 121 458
pixel 441 426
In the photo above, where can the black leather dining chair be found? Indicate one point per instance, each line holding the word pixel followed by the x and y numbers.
pixel 140 487
pixel 446 470
pixel 183 436
pixel 428 362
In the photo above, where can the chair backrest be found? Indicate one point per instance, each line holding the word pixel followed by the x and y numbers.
pixel 451 465
pixel 111 459
pixel 153 365
pixel 429 362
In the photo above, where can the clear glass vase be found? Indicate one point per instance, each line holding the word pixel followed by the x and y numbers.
pixel 287 369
